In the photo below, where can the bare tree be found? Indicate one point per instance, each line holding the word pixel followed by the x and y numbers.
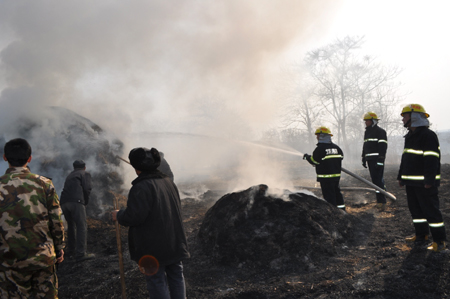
pixel 347 84
pixel 302 115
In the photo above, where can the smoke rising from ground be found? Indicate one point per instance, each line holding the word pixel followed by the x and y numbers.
pixel 207 68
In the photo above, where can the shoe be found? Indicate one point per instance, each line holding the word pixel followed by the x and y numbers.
pixel 437 247
pixel 87 256
pixel 381 206
pixel 417 239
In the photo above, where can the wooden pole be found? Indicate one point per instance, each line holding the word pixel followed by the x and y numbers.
pixel 119 249
pixel 123 160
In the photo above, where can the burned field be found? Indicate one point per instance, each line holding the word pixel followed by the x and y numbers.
pixel 252 244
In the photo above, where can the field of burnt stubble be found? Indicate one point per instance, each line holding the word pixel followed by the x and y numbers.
pixel 369 260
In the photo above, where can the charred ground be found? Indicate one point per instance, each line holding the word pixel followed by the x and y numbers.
pixel 378 264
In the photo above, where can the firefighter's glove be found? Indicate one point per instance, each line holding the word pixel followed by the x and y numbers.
pixel 364 164
pixel 305 156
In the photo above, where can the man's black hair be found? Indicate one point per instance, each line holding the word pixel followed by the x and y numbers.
pixel 17 151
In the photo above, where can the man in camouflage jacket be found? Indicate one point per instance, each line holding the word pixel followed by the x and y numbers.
pixel 31 229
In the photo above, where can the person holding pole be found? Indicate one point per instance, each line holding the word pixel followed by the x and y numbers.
pixel 420 172
pixel 327 159
pixel 156 236
pixel 374 154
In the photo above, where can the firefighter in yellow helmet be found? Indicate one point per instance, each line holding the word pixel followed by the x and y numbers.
pixel 374 154
pixel 420 173
pixel 327 159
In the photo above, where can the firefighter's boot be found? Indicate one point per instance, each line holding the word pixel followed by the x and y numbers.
pixel 417 240
pixel 437 246
pixel 381 206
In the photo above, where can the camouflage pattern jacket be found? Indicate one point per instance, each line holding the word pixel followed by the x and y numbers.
pixel 31 229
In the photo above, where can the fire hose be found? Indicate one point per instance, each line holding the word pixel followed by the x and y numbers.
pixel 342 188
pixel 381 190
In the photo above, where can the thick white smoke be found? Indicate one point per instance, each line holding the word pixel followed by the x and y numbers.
pixel 139 68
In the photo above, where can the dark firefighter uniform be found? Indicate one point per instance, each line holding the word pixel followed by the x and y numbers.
pixel 374 153
pixel 327 159
pixel 420 166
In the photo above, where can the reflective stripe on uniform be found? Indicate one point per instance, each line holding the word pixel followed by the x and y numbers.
pixel 370 139
pixel 439 224
pixel 314 161
pixel 341 206
pixel 412 151
pixel 372 154
pixel 417 177
pixel 431 153
pixel 419 220
pixel 329 175
pixel 382 140
pixel 419 152
pixel 332 157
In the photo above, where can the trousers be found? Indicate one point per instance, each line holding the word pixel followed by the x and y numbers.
pixel 17 284
pixel 423 205
pixel 75 214
pixel 376 174
pixel 331 192
pixel 167 283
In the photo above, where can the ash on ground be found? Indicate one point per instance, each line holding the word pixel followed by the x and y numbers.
pixel 365 255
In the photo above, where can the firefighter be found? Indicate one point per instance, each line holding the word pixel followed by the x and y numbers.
pixel 327 159
pixel 374 154
pixel 420 173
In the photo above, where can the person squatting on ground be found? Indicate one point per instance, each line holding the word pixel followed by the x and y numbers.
pixel 327 159
pixel 74 199
pixel 155 225
pixel 374 154
pixel 420 172
pixel 31 229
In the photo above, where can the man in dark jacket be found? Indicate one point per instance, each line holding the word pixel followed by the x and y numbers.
pixel 420 173
pixel 374 154
pixel 156 233
pixel 74 198
pixel 327 158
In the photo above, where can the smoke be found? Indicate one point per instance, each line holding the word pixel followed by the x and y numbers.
pixel 138 68
pixel 58 137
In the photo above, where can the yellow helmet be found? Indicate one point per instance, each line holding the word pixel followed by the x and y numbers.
pixel 323 130
pixel 370 115
pixel 414 108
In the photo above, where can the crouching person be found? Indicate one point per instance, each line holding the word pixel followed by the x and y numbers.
pixel 156 232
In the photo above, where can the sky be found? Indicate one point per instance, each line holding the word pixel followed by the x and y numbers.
pixel 411 35
pixel 168 73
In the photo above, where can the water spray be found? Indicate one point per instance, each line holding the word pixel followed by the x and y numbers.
pixel 297 153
